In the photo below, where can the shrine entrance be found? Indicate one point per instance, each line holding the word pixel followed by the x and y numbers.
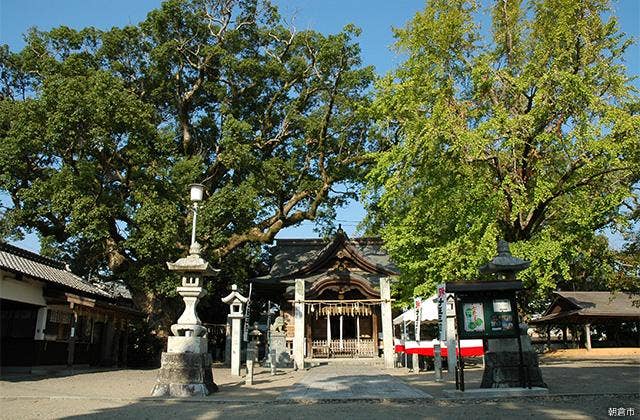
pixel 334 297
pixel 342 319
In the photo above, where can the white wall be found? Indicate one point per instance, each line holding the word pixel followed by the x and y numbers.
pixel 20 291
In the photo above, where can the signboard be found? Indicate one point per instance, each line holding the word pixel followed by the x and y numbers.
pixel 486 315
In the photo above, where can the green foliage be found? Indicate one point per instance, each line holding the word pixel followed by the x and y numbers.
pixel 531 135
pixel 101 132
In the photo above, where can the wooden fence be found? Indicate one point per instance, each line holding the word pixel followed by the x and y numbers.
pixel 350 348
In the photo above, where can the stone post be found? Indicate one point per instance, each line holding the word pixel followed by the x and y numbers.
pixel 236 304
pixel 235 344
pixel 387 322
pixel 587 336
pixel 272 361
pixel 227 343
pixel 437 361
pixel 298 339
pixel 249 377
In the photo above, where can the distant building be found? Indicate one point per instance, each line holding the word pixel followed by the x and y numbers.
pixel 51 316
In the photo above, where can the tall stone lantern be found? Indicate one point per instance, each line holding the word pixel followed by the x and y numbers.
pixel 186 365
pixel 510 362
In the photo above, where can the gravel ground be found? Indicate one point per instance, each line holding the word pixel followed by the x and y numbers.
pixel 579 389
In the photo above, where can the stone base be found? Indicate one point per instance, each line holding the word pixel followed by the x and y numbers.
pixel 502 365
pixel 278 342
pixel 496 393
pixel 184 375
pixel 187 345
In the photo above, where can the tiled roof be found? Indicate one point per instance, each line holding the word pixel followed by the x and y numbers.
pixel 293 254
pixel 42 268
pixel 575 307
pixel 602 302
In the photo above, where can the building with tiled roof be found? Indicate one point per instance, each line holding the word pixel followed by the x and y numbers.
pixel 51 316
pixel 334 295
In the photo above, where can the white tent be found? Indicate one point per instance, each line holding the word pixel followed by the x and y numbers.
pixel 429 312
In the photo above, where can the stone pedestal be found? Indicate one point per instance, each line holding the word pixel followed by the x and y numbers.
pixel 184 375
pixel 278 345
pixel 187 345
pixel 502 364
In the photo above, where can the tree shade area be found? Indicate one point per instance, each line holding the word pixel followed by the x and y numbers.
pixel 530 134
pixel 101 132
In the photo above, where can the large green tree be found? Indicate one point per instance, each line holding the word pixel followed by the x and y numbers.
pixel 526 130
pixel 101 132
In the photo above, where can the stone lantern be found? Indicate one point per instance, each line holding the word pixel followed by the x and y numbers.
pixel 186 365
pixel 504 265
pixel 236 304
pixel 507 360
pixel 188 332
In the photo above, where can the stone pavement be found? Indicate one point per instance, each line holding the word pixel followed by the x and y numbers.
pixel 579 390
pixel 335 382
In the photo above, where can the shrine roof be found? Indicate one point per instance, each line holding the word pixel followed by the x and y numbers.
pixel 306 258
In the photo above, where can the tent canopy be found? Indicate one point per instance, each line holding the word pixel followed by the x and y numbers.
pixel 429 312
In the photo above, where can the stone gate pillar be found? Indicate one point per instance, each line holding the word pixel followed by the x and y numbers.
pixel 387 322
pixel 298 339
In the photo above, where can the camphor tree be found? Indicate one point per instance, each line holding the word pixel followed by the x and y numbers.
pixel 103 131
pixel 530 134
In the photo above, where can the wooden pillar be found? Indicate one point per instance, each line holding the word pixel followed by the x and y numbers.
pixel 358 336
pixel 549 336
pixel 125 344
pixel 309 340
pixel 328 328
pixel 341 321
pixel 374 321
pixel 71 346
pixel 587 333
pixel 116 344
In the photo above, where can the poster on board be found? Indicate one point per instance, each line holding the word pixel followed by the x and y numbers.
pixel 501 305
pixel 473 317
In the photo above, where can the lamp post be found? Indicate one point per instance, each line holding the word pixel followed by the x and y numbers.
pixel 197 192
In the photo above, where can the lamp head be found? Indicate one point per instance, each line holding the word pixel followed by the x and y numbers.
pixel 197 192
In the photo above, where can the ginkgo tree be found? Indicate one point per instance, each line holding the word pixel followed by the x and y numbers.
pixel 526 130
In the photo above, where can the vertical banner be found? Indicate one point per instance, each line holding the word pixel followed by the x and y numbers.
pixel 442 312
pixel 417 303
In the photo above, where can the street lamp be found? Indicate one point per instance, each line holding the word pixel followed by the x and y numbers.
pixel 197 191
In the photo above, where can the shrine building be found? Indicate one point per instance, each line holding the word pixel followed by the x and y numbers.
pixel 334 295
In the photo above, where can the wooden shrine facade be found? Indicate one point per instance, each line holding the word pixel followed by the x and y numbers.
pixel 331 290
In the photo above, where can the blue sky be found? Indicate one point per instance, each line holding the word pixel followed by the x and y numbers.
pixel 374 17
